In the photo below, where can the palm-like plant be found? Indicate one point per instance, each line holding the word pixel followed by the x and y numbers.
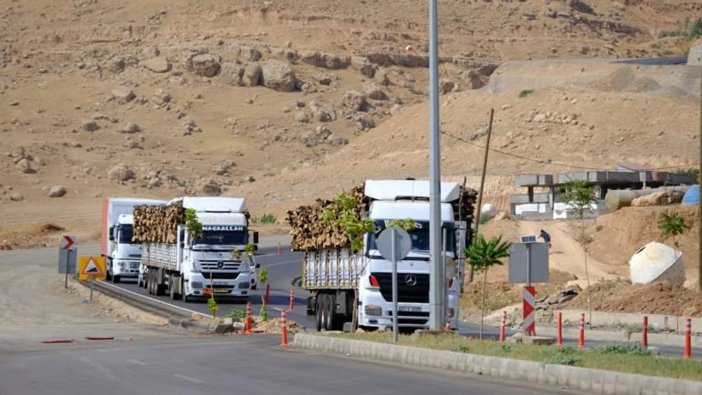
pixel 672 224
pixel 481 255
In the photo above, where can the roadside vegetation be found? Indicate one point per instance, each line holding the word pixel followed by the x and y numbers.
pixel 626 357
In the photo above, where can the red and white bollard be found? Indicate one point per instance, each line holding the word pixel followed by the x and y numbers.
pixel 687 354
pixel 291 305
pixel 283 330
pixel 559 337
pixel 503 322
pixel 247 323
pixel 581 337
pixel 644 332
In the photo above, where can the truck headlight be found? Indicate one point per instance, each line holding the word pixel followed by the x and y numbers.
pixel 196 285
pixel 121 265
pixel 244 285
pixel 372 309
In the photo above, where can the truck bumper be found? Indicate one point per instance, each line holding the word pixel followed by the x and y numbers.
pixel 376 312
pixel 238 288
pixel 125 268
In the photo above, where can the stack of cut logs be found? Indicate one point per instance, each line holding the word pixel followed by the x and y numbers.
pixel 463 208
pixel 309 232
pixel 158 224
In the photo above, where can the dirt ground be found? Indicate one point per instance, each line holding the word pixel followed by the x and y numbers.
pixel 66 120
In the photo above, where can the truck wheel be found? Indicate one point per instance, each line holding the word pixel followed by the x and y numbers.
pixel 329 312
pixel 319 310
pixel 150 283
pixel 115 279
pixel 172 282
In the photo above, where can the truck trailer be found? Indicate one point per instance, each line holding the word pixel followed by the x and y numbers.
pixel 122 255
pixel 346 286
pixel 195 267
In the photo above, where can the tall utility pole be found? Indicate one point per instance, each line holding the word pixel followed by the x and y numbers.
pixel 482 185
pixel 699 205
pixel 436 289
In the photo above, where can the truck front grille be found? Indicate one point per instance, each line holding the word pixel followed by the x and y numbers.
pixel 208 265
pixel 412 289
pixel 220 275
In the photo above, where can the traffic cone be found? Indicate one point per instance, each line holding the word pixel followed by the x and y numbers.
pixel 502 326
pixel 291 305
pixel 283 330
pixel 247 324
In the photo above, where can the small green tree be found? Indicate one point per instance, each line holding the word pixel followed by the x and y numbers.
pixel 212 305
pixel 193 224
pixel 262 280
pixel 483 254
pixel 580 197
pixel 672 224
pixel 343 214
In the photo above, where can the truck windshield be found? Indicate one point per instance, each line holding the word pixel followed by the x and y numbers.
pixel 125 233
pixel 419 236
pixel 222 237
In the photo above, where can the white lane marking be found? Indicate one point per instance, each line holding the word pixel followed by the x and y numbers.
pixel 186 378
pixel 136 362
pixel 99 367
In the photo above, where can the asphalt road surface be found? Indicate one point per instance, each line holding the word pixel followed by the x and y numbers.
pixel 228 365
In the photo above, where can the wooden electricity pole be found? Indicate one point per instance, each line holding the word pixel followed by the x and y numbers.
pixel 482 184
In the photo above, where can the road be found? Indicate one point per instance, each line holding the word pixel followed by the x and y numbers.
pixel 229 365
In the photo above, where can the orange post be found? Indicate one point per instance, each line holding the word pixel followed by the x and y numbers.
pixel 247 324
pixel 687 354
pixel 644 332
pixel 559 338
pixel 502 326
pixel 291 305
pixel 283 330
pixel 581 338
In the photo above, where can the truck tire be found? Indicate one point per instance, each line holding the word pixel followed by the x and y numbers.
pixel 172 283
pixel 319 312
pixel 329 312
pixel 150 283
pixel 115 279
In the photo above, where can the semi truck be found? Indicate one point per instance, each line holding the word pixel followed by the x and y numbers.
pixel 194 267
pixel 122 255
pixel 346 286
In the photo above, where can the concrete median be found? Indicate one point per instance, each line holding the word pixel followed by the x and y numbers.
pixel 582 379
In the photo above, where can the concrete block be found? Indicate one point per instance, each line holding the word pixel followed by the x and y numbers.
pixel 539 340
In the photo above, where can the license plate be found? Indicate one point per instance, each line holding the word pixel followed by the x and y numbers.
pixel 221 290
pixel 412 309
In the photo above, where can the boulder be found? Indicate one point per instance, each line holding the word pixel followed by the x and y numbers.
pixel 230 73
pixel 25 167
pixel 354 100
pixel 158 64
pixel 279 76
pixel 209 187
pixel 16 197
pixel 57 191
pixel 130 127
pixel 121 173
pixel 322 113
pixel 90 126
pixel 375 92
pixel 251 75
pixel 205 65
pixel 122 94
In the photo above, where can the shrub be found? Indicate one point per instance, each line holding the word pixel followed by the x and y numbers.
pixel 565 355
pixel 235 314
pixel 526 92
pixel 268 219
pixel 622 349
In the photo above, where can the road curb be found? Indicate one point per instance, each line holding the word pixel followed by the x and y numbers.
pixel 581 379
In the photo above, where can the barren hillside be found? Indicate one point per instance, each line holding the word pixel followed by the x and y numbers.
pixel 283 102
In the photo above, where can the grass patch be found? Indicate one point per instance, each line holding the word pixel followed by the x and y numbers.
pixel 621 357
pixel 265 219
pixel 526 92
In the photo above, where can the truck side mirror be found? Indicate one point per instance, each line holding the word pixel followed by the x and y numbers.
pixel 257 265
pixel 255 237
pixel 110 233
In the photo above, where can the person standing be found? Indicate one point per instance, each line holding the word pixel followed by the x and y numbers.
pixel 546 237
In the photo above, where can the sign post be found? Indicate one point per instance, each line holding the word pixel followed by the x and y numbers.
pixel 394 244
pixel 528 262
pixel 67 256
pixel 91 267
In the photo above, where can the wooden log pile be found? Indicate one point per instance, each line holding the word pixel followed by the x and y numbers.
pixel 309 232
pixel 158 224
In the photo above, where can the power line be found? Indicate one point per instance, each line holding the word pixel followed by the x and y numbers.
pixel 549 161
